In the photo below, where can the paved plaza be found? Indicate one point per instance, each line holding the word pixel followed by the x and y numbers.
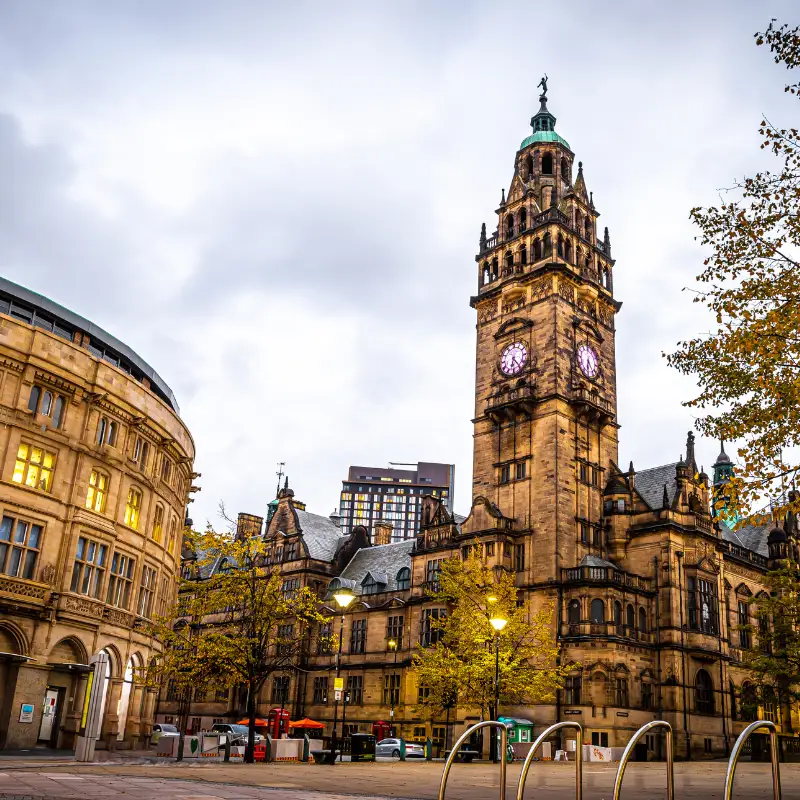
pixel 547 781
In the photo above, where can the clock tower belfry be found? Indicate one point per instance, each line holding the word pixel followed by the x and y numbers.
pixel 545 381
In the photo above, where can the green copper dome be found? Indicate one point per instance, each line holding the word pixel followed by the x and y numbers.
pixel 544 136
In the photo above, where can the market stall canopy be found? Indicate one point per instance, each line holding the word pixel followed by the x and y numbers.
pixel 260 723
pixel 305 723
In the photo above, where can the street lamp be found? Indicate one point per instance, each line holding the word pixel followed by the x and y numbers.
pixel 498 623
pixel 392 643
pixel 343 597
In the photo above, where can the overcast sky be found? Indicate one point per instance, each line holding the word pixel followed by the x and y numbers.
pixel 277 205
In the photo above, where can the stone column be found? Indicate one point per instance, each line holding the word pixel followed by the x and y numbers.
pixel 74 712
pixel 111 721
pixel 133 723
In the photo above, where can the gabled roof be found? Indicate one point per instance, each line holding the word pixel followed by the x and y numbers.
pixel 384 560
pixel 320 535
pixel 650 484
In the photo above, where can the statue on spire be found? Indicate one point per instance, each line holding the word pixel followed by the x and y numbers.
pixel 543 84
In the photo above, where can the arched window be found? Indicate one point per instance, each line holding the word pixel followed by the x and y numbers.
pixel 529 164
pixel 47 404
pixel 404 579
pixel 97 491
pixel 33 399
pixel 523 255
pixel 606 281
pixel 618 615
pixel 560 245
pixel 369 585
pixel 486 276
pixel 598 611
pixel 158 522
pixel 749 702
pixel 133 508
pixel 523 219
pixel 509 259
pixel 547 164
pixel 112 433
pixel 565 169
pixel 102 430
pixel 548 244
pixel 537 249
pixel 495 270
pixel 58 412
pixel 630 618
pixel 568 251
pixel 703 693
pixel 509 226
pixel 574 612
pixel 587 225
pixel 173 525
pixel 642 619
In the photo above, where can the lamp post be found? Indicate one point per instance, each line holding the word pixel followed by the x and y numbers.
pixel 343 598
pixel 498 623
pixel 392 643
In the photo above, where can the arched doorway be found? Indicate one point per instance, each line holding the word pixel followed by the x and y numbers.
pixel 131 668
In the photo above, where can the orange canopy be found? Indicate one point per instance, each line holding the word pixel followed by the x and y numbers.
pixel 260 723
pixel 305 723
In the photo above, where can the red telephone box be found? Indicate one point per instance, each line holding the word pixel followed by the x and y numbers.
pixel 382 730
pixel 277 722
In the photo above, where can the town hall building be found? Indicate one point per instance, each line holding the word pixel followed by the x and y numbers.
pixel 649 588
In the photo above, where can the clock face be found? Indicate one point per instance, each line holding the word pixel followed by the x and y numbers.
pixel 588 361
pixel 513 358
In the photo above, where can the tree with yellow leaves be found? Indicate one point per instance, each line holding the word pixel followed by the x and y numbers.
pixel 464 661
pixel 237 623
pixel 748 368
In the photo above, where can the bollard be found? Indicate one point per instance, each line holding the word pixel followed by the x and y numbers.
pixel 268 748
pixel 402 749
pixel 226 740
pixel 306 746
pixel 428 749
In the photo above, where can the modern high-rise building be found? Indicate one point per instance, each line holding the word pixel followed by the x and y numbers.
pixel 375 494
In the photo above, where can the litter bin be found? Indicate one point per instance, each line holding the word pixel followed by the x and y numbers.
pixel 362 747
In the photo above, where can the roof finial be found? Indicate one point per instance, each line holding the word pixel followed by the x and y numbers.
pixel 483 236
pixel 580 168
pixel 665 498
pixel 502 197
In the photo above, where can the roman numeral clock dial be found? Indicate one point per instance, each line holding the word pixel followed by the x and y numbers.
pixel 588 361
pixel 513 358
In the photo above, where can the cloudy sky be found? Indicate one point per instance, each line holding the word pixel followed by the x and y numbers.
pixel 278 204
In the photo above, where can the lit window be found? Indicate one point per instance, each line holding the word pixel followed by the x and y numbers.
pixel 158 523
pixel 89 568
pixel 96 495
pixel 19 547
pixel 171 535
pixel 133 507
pixel 34 467
pixel 120 579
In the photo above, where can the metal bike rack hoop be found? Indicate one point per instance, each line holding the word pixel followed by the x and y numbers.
pixel 489 723
pixel 737 752
pixel 658 723
pixel 523 776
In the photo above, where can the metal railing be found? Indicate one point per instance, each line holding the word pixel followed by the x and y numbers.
pixel 461 739
pixel 523 776
pixel 658 723
pixel 737 752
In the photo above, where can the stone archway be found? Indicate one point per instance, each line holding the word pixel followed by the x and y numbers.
pixel 132 669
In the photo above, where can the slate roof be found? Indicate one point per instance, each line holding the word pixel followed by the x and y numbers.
pixel 320 535
pixel 595 561
pixel 380 561
pixel 458 518
pixel 650 484
pixel 753 537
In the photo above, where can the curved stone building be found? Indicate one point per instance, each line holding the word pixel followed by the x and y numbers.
pixel 96 467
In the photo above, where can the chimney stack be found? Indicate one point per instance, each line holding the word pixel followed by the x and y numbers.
pixel 382 533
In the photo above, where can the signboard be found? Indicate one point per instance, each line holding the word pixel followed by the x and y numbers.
pixel 570 712
pixel 338 684
pixel 337 694
pixel 26 712
pixel 89 682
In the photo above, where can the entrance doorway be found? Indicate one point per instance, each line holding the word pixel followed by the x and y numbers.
pixel 51 711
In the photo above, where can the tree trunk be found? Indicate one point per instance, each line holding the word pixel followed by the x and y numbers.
pixel 249 751
pixel 183 719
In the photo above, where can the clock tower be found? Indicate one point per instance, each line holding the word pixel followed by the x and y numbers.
pixel 545 381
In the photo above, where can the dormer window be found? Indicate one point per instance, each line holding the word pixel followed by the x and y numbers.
pixel 369 586
pixel 404 579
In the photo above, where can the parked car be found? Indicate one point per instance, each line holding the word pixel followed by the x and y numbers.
pixel 238 733
pixel 391 747
pixel 163 729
